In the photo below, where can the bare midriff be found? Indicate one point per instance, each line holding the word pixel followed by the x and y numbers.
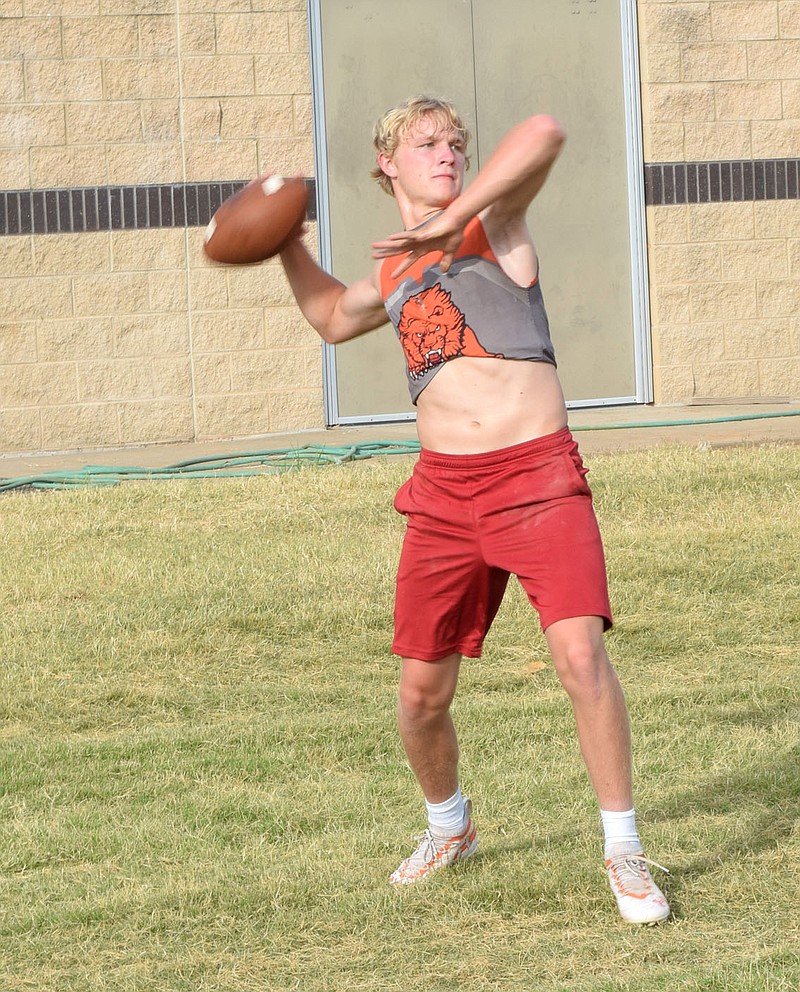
pixel 482 404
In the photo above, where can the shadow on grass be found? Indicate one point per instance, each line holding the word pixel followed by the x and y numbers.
pixel 767 798
pixel 499 849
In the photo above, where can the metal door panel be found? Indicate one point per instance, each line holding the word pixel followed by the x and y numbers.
pixel 499 61
pixel 564 57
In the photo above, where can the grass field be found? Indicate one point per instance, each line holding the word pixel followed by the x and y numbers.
pixel 201 786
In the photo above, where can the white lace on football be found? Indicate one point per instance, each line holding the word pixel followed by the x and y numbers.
pixel 272 184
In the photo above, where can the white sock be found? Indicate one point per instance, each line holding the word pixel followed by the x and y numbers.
pixel 619 828
pixel 447 819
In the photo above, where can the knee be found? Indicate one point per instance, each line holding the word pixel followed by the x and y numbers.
pixel 426 691
pixel 422 704
pixel 584 669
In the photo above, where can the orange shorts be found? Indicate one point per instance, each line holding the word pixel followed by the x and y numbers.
pixel 473 520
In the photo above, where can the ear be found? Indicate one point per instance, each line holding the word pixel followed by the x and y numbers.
pixel 386 165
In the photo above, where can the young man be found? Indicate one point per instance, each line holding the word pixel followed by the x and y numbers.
pixel 499 488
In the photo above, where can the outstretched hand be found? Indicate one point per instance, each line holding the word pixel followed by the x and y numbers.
pixel 440 234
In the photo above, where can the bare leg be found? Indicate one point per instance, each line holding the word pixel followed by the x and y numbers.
pixel 601 716
pixel 426 727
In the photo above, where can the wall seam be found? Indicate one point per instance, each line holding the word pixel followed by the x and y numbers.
pixel 186 240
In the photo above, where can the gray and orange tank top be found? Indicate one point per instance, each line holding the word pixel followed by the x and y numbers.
pixel 473 310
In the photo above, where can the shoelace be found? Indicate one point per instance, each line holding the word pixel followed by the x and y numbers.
pixel 426 848
pixel 633 865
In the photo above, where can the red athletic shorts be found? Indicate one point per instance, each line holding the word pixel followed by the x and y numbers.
pixel 473 520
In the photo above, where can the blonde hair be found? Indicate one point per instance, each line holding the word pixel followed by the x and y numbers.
pixel 397 122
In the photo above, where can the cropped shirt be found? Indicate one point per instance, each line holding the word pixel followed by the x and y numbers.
pixel 474 309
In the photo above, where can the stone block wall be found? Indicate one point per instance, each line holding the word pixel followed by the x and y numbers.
pixel 123 123
pixel 119 121
pixel 721 93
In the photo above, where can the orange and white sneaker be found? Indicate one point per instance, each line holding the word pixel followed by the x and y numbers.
pixel 638 897
pixel 434 852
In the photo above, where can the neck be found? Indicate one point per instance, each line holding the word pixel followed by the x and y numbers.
pixel 416 214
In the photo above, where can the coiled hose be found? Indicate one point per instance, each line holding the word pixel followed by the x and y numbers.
pixel 279 460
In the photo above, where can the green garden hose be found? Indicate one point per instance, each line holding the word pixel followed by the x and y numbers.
pixel 213 467
pixel 286 459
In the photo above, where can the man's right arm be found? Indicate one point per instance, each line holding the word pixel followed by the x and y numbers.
pixel 337 312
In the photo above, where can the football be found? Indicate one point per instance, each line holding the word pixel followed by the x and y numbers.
pixel 255 223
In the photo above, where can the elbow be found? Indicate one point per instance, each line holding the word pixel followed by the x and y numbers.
pixel 548 131
pixel 332 330
pixel 333 334
pixel 323 329
pixel 323 321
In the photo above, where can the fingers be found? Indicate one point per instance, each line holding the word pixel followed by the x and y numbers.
pixel 416 245
pixel 395 244
pixel 409 260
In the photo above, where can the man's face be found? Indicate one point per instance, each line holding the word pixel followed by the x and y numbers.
pixel 428 164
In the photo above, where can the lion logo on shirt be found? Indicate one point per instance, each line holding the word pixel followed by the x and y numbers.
pixel 433 330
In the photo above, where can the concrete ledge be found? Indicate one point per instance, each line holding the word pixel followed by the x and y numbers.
pixel 598 430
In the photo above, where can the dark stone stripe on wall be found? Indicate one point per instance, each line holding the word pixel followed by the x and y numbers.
pixel 117 208
pixel 721 182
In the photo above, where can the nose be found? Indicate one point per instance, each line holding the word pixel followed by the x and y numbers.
pixel 446 153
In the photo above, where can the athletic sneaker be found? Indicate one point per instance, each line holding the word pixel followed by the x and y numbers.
pixel 434 852
pixel 638 897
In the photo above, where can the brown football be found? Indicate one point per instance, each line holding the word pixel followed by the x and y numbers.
pixel 255 223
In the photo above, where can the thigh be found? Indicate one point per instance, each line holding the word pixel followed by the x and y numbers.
pixel 549 538
pixel 446 593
